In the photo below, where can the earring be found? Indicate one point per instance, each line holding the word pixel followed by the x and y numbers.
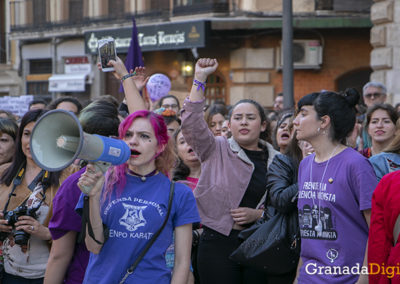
pixel 318 130
pixel 324 131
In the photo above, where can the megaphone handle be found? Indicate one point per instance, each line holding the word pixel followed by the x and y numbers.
pixel 99 166
pixel 102 166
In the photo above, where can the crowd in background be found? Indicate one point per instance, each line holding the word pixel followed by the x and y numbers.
pixel 226 167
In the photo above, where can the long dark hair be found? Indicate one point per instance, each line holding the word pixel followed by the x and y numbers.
pixel 19 158
pixel 340 107
pixel 181 171
pixel 294 152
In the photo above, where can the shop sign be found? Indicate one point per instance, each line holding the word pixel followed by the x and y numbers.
pixel 155 37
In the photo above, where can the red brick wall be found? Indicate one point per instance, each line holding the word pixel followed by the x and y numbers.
pixel 341 54
pixel 344 50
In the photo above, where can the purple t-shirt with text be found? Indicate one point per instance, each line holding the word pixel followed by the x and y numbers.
pixel 66 219
pixel 333 229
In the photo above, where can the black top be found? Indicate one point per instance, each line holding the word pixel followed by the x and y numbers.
pixel 258 181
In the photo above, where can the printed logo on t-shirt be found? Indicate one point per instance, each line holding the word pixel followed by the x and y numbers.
pixel 133 217
pixel 129 216
pixel 332 254
pixel 316 223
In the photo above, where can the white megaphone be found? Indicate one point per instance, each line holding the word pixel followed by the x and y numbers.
pixel 58 139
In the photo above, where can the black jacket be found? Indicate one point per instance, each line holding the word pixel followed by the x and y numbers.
pixel 282 185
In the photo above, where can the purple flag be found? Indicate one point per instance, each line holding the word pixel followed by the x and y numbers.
pixel 134 57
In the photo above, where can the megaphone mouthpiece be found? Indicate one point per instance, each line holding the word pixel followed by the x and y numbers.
pixel 69 143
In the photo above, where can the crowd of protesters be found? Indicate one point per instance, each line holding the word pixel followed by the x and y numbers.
pixel 206 173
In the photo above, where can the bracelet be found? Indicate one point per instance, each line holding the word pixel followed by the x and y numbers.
pixel 127 76
pixel 199 85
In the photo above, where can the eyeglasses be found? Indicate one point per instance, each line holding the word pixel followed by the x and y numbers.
pixel 375 95
pixel 170 106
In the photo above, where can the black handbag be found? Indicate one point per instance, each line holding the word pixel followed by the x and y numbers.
pixel 270 245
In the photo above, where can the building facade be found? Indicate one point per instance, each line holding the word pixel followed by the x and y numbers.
pixel 52 45
pixel 385 39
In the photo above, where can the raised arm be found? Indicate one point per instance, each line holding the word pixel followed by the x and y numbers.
pixel 194 127
pixel 204 67
pixel 131 84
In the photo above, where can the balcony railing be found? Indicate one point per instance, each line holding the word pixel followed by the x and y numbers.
pixel 188 7
pixel 40 15
pixel 358 6
pixel 30 15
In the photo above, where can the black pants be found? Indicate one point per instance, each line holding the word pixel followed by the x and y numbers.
pixel 214 265
pixel 12 279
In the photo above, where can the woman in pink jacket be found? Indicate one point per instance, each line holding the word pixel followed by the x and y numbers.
pixel 232 184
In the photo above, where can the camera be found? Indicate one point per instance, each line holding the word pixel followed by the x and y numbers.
pixel 20 237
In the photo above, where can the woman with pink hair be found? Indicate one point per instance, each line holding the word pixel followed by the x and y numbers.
pixel 129 204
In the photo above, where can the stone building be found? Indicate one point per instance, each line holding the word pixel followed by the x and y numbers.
pixel 55 40
pixel 385 39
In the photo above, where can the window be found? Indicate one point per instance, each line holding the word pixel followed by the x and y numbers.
pixel 116 8
pixel 215 89
pixel 40 66
pixel 75 11
pixel 37 88
pixel 39 12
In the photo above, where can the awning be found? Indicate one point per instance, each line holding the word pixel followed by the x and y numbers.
pixel 67 82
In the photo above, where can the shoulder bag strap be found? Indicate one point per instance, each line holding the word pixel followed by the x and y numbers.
pixel 396 231
pixel 86 221
pixel 153 238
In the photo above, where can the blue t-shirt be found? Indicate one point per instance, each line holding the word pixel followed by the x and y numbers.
pixel 132 219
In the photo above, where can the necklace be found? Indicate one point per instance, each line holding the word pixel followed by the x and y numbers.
pixel 318 227
pixel 142 177
pixel 323 175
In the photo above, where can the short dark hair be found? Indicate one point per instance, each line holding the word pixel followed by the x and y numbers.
pixel 100 117
pixel 307 100
pixel 8 114
pixel 37 101
pixel 55 103
pixel 160 102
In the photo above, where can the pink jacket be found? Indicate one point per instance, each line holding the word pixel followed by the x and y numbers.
pixel 225 169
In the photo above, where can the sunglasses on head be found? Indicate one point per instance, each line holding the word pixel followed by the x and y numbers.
pixel 375 95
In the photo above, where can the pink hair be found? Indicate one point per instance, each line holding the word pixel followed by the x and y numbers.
pixel 116 176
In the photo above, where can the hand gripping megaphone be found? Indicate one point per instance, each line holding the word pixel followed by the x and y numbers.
pixel 58 139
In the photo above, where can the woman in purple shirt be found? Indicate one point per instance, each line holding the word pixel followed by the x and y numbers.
pixel 335 189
